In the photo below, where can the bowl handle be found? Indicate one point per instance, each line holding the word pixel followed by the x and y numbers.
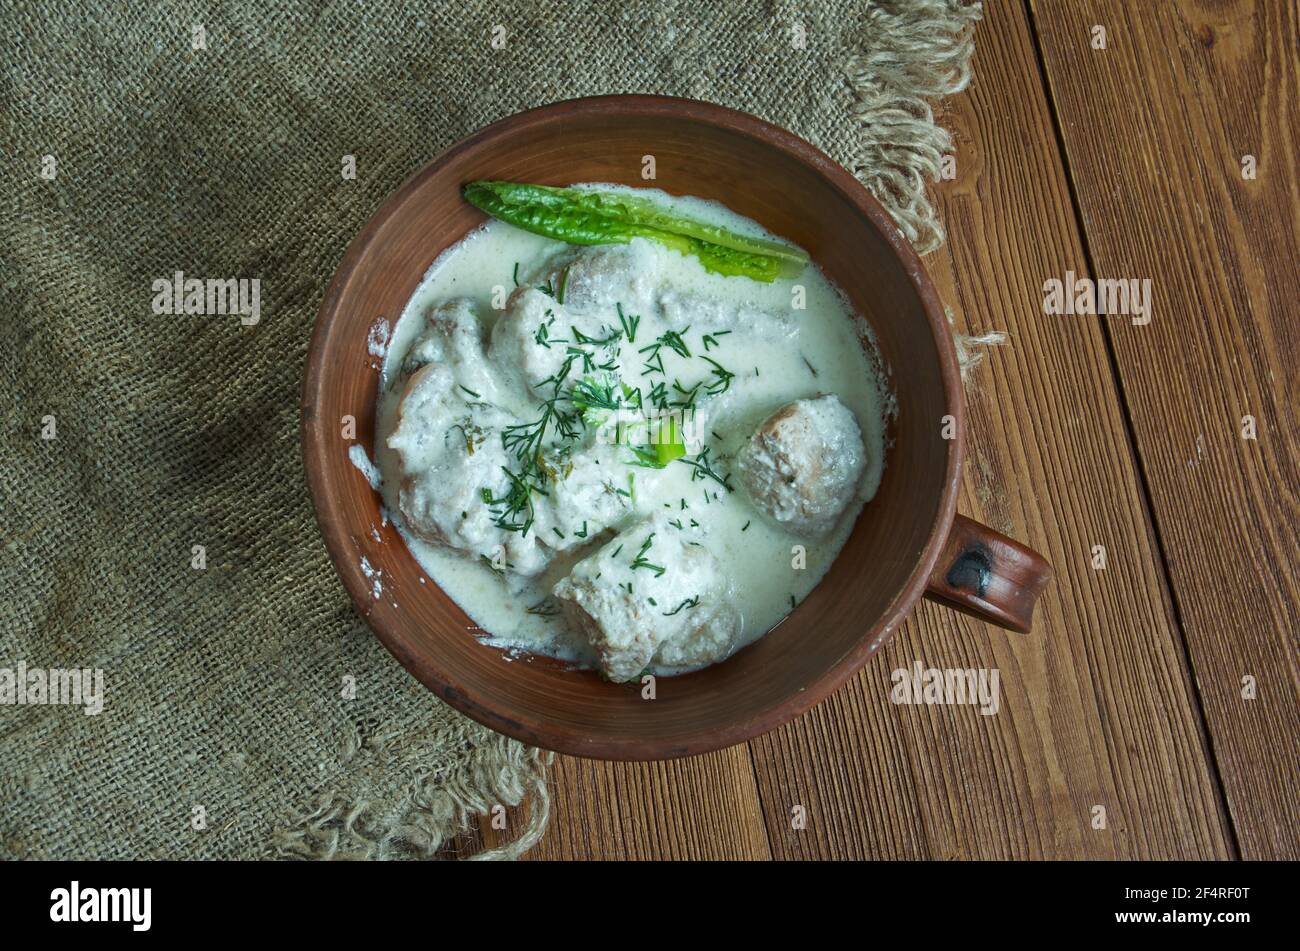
pixel 985 574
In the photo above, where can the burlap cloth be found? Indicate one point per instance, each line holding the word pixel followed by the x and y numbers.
pixel 224 703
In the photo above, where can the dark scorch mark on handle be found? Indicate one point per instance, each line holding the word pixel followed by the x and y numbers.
pixel 972 570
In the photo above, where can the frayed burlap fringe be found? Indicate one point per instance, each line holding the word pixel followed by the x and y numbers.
pixel 434 809
pixel 970 347
pixel 914 51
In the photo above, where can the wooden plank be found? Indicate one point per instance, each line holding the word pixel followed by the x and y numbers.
pixel 704 807
pixel 848 768
pixel 1155 128
pixel 1097 708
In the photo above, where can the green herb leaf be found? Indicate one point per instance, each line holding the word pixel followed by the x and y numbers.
pixel 688 603
pixel 640 560
pixel 592 216
pixel 629 322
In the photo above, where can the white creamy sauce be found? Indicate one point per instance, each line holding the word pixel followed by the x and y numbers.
pixel 357 455
pixel 377 339
pixel 626 567
pixel 375 576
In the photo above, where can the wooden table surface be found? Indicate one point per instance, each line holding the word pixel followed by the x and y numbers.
pixel 1155 710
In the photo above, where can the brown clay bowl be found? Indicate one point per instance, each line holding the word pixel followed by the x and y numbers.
pixel 895 551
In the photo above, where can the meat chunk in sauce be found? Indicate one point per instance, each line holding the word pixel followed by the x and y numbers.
pixel 597 279
pixel 803 465
pixel 451 453
pixel 651 594
pixel 452 338
pixel 590 493
pixel 522 337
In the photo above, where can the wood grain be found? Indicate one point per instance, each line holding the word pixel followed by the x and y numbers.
pixel 1097 706
pixel 702 808
pixel 705 807
pixel 1155 128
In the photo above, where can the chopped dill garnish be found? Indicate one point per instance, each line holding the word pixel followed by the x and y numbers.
pixel 515 274
pixel 477 396
pixel 688 603
pixel 611 336
pixel 525 442
pixel 588 362
pixel 671 339
pixel 745 527
pixel 592 393
pixel 704 469
pixel 629 322
pixel 811 369
pixel 564 282
pixel 583 533
pixel 545 608
pixel 688 396
pixel 723 378
pixel 711 340
pixel 516 512
pixel 640 560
